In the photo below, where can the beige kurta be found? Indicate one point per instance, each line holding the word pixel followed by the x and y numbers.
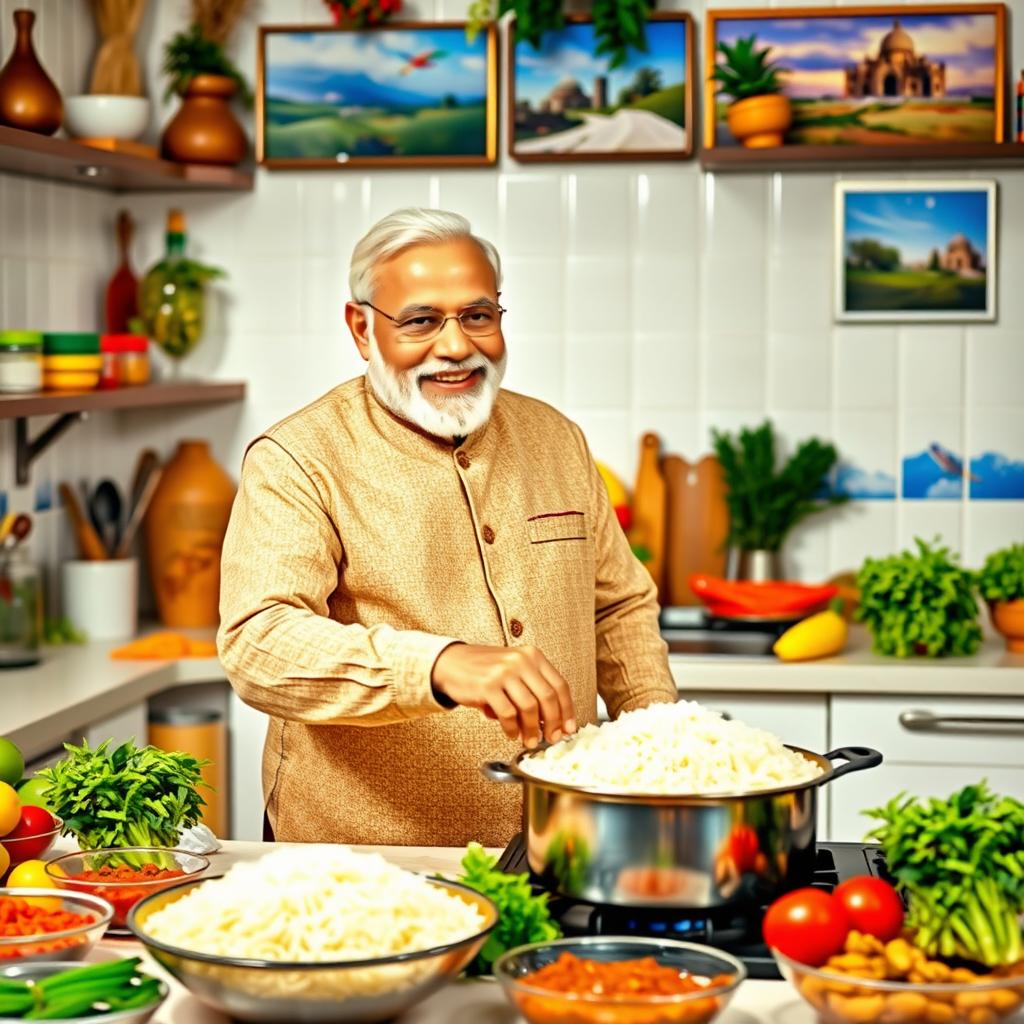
pixel 358 549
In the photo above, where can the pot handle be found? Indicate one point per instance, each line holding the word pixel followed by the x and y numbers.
pixel 498 771
pixel 856 758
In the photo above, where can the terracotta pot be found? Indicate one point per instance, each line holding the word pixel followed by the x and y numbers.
pixel 204 130
pixel 28 98
pixel 1008 618
pixel 185 528
pixel 760 121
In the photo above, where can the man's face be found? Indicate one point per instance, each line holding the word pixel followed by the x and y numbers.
pixel 447 384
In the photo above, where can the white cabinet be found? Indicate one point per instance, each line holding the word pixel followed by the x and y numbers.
pixel 932 746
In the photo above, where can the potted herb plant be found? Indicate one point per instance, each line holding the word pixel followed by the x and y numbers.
pixel 1001 584
pixel 759 114
pixel 204 130
pixel 766 502
pixel 919 603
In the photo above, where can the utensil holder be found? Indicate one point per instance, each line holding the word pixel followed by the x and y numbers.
pixel 102 598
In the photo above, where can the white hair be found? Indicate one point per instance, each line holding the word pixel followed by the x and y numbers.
pixel 399 230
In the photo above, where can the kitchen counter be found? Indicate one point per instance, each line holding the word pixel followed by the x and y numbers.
pixel 466 1002
pixel 76 685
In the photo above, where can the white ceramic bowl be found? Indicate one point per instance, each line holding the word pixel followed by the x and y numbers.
pixel 106 117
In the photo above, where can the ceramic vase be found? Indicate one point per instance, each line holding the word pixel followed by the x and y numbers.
pixel 760 121
pixel 1008 618
pixel 185 528
pixel 204 130
pixel 28 98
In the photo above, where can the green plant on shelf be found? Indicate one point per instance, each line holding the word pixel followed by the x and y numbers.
pixel 190 53
pixel 919 603
pixel 1001 578
pixel 746 71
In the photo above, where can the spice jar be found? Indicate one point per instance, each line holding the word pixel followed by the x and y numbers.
pixel 21 609
pixel 125 360
pixel 21 361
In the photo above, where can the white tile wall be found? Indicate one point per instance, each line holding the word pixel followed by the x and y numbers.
pixel 641 296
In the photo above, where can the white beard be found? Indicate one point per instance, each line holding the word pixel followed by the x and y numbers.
pixel 447 416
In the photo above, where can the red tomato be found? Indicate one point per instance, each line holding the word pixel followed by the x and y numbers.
pixel 34 822
pixel 744 847
pixel 807 925
pixel 873 906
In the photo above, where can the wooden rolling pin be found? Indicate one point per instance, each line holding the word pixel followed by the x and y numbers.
pixel 649 507
pixel 90 547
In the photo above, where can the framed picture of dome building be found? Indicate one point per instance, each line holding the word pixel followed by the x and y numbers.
pixel 909 251
pixel 566 102
pixel 868 76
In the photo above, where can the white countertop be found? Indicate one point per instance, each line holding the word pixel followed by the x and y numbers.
pixel 79 684
pixel 467 1001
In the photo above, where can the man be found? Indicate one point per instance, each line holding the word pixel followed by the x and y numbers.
pixel 416 548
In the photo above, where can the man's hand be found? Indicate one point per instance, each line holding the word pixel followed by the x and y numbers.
pixel 518 686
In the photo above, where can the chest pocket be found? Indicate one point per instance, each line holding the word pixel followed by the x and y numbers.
pixel 556 526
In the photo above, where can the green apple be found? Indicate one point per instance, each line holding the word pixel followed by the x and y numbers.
pixel 33 792
pixel 12 764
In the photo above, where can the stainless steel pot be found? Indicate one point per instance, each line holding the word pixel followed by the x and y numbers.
pixel 695 852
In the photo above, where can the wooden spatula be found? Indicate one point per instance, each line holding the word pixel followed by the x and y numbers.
pixel 90 547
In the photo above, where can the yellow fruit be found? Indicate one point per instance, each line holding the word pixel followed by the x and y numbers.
pixel 31 874
pixel 5 860
pixel 10 808
pixel 819 636
pixel 617 492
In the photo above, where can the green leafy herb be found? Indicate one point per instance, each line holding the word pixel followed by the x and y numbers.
pixel 765 504
pixel 125 797
pixel 62 631
pixel 191 53
pixel 919 603
pixel 746 72
pixel 522 916
pixel 960 863
pixel 1001 578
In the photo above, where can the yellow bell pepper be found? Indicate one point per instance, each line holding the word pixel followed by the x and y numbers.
pixel 819 636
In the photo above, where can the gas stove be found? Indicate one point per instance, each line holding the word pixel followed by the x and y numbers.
pixel 737 930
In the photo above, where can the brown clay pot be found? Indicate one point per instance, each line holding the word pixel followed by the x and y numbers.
pixel 760 121
pixel 204 130
pixel 1008 618
pixel 28 98
pixel 185 528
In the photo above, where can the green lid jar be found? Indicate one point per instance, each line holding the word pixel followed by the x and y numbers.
pixel 71 343
pixel 19 341
pixel 21 361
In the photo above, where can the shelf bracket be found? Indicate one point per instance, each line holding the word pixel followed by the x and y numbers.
pixel 27 450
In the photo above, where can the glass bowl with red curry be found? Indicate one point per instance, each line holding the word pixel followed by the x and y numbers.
pixel 618 980
pixel 124 875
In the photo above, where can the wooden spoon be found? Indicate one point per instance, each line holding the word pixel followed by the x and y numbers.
pixel 138 512
pixel 90 547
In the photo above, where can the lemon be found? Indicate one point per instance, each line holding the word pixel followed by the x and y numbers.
pixel 10 808
pixel 31 874
pixel 5 860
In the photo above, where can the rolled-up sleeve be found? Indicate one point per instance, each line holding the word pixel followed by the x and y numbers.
pixel 282 652
pixel 632 657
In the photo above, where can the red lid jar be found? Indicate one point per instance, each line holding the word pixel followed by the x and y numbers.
pixel 125 360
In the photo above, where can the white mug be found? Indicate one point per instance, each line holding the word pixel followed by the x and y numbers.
pixel 102 598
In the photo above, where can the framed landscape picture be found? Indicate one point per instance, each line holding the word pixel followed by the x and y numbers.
pixel 397 96
pixel 873 75
pixel 915 250
pixel 566 103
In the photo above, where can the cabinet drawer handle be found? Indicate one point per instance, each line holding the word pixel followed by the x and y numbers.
pixel 926 721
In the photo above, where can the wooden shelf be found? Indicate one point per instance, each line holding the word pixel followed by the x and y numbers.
pixel 925 156
pixel 41 156
pixel 184 392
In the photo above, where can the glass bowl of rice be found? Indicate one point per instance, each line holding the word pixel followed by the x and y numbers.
pixel 307 946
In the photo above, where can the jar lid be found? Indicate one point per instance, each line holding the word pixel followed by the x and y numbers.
pixel 71 343
pixel 21 339
pixel 124 343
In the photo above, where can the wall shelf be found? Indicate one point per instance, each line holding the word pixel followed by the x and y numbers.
pixel 40 156
pixel 72 406
pixel 924 157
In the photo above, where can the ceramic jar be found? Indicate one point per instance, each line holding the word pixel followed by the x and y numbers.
pixel 204 130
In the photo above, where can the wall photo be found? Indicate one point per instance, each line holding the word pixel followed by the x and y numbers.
pixel 909 251
pixel 405 95
pixel 567 103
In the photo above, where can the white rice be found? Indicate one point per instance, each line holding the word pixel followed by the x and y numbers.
pixel 681 748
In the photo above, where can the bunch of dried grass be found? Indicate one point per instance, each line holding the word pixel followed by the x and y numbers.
pixel 217 18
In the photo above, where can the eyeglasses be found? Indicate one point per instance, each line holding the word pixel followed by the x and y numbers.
pixel 480 320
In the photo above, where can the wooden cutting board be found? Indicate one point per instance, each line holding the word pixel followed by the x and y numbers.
pixel 697 524
pixel 649 508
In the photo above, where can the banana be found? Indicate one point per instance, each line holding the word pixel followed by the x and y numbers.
pixel 617 492
pixel 819 636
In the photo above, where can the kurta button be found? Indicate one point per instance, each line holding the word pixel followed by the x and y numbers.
pixel 515 627
pixel 488 535
pixel 463 460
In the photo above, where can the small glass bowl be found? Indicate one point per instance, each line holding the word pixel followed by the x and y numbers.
pixel 68 944
pixel 545 1006
pixel 844 999
pixel 32 847
pixel 123 895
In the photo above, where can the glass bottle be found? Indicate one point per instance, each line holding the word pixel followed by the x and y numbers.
pixel 171 300
pixel 21 609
